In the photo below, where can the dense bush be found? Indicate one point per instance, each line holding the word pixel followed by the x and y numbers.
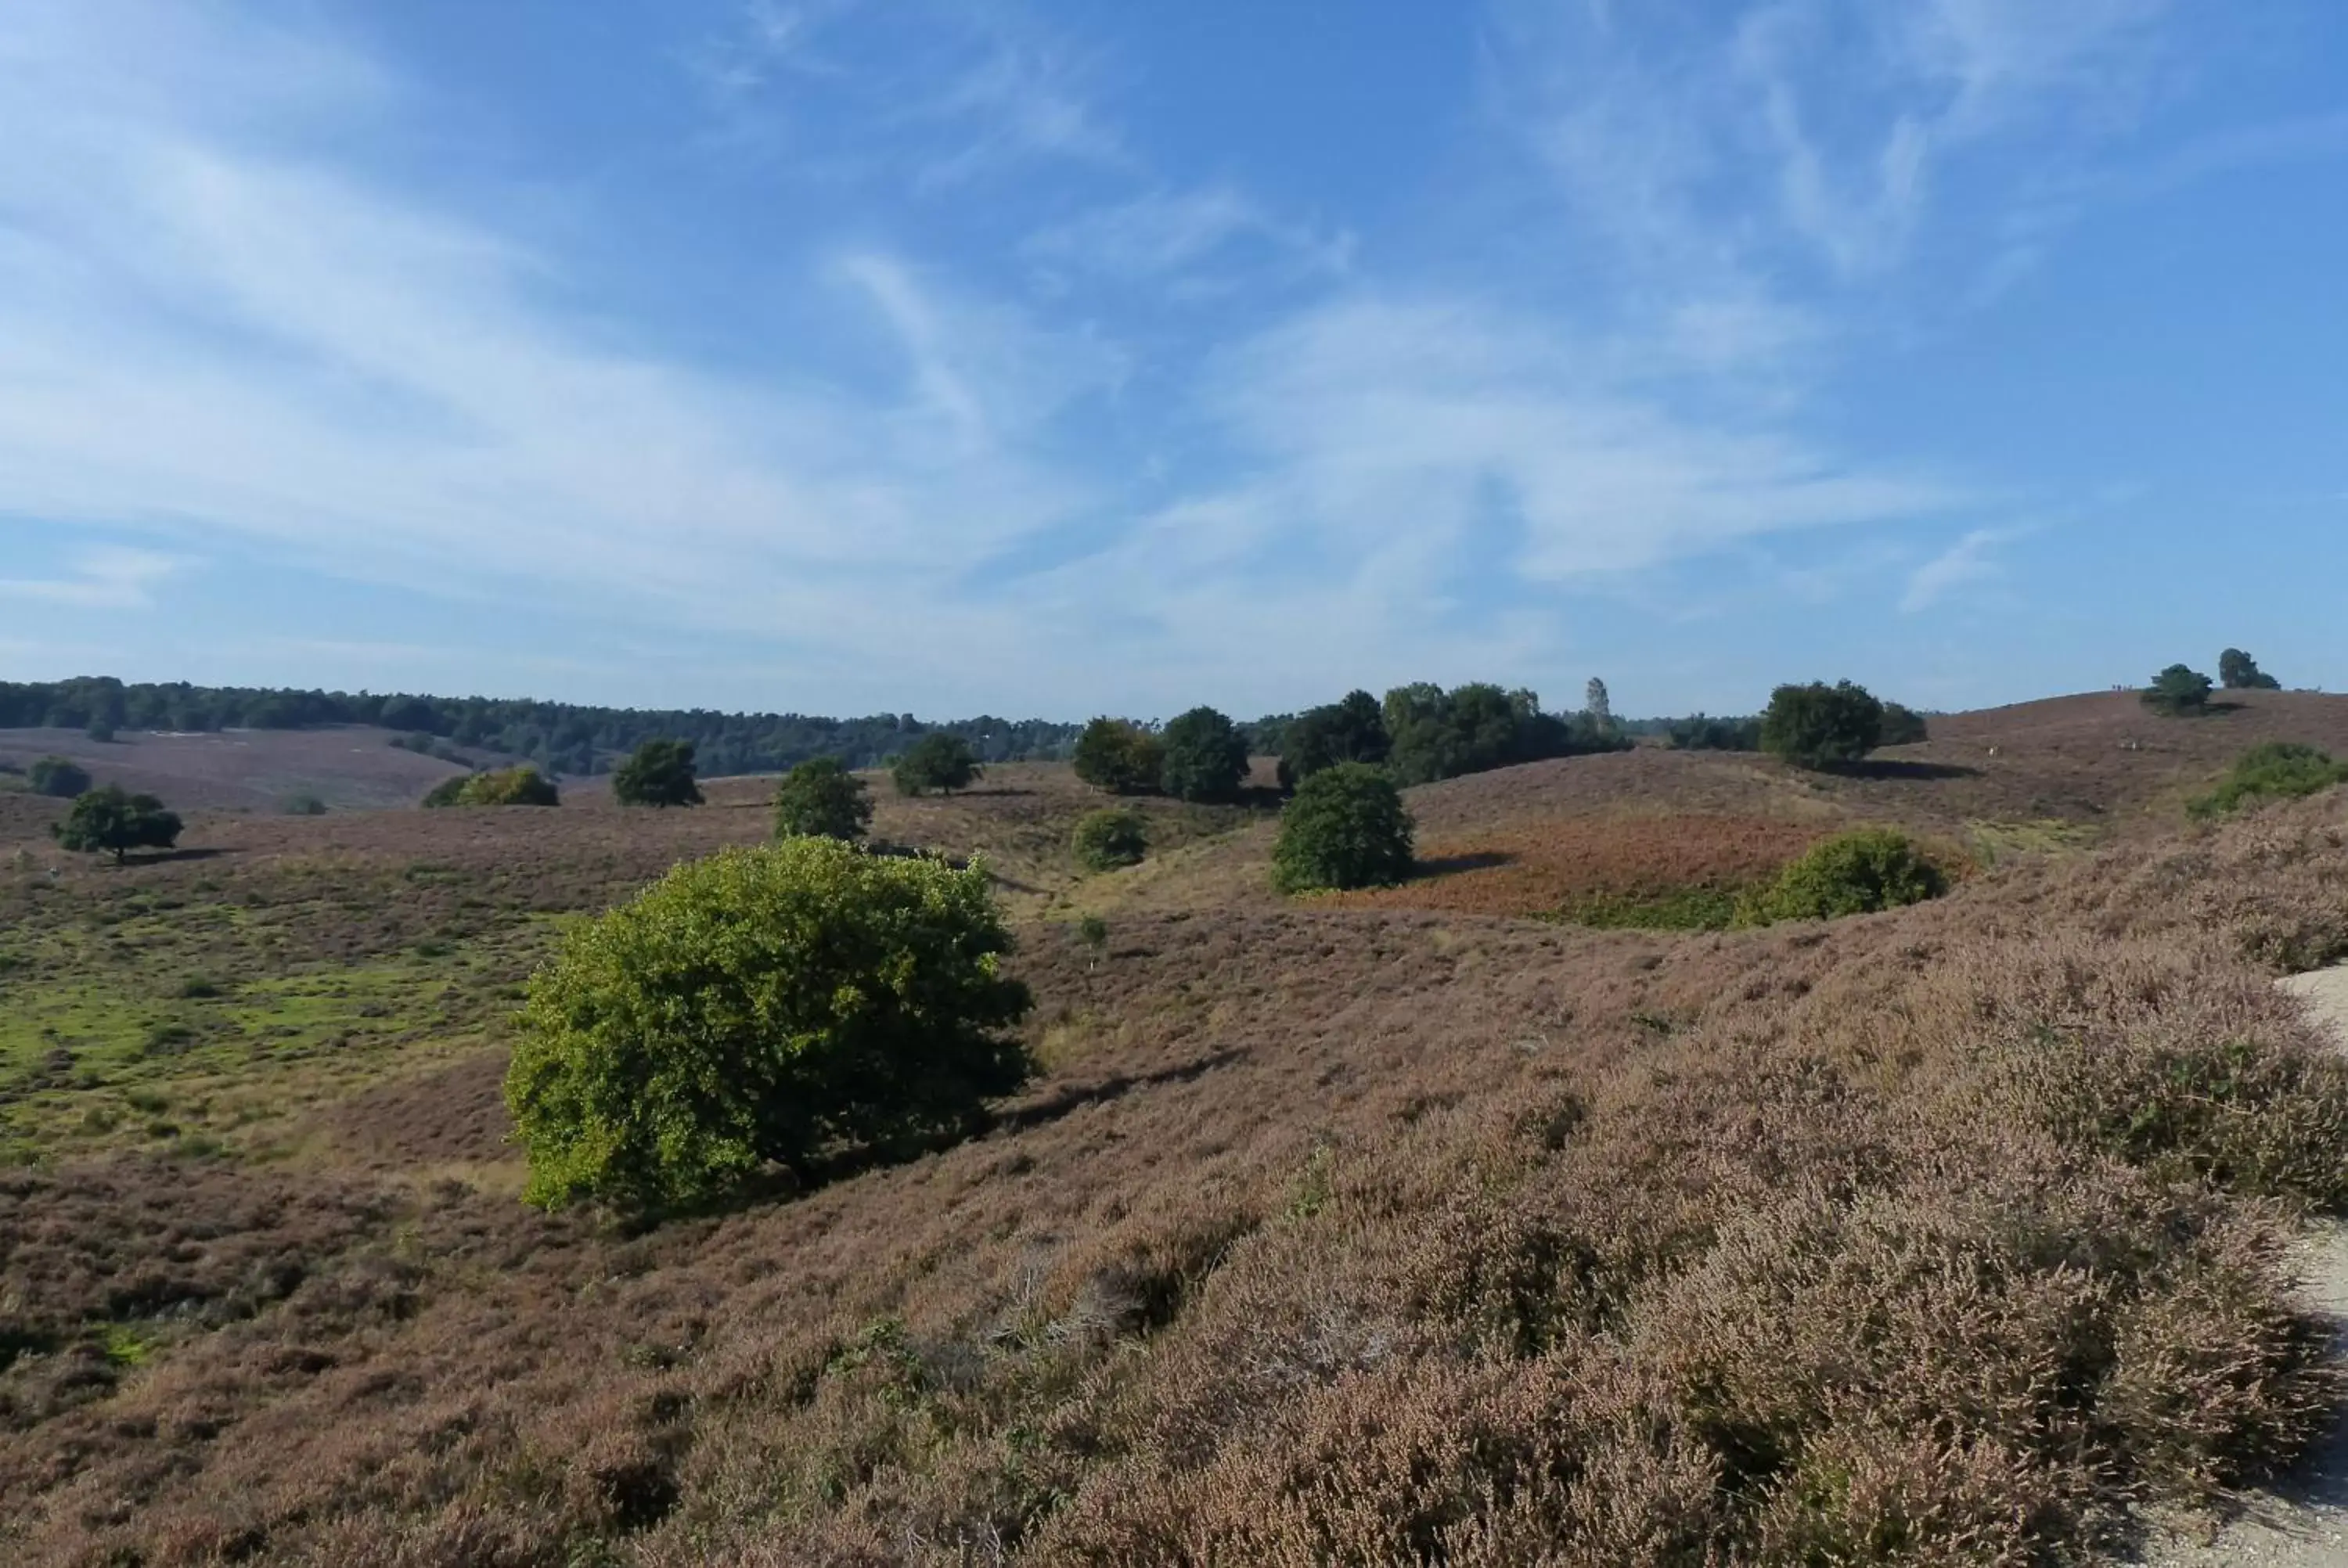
pixel 1205 757
pixel 1821 726
pixel 1902 726
pixel 1352 729
pixel 938 761
pixel 2178 692
pixel 302 803
pixel 58 777
pixel 763 1005
pixel 1344 827
pixel 111 821
pixel 1439 734
pixel 1106 839
pixel 1701 733
pixel 1119 756
pixel 2278 770
pixel 1855 872
pixel 658 773
pixel 2238 672
pixel 821 799
pixel 522 785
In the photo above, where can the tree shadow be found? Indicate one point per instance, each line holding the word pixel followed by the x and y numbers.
pixel 163 856
pixel 1900 768
pixel 1020 1118
pixel 1446 865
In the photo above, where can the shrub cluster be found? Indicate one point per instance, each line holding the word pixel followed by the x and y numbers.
pixel 2278 770
pixel 1119 756
pixel 657 773
pixel 1344 827
pixel 523 785
pixel 113 821
pixel 821 799
pixel 763 1005
pixel 938 761
pixel 60 778
pixel 1106 839
pixel 1822 726
pixel 1860 872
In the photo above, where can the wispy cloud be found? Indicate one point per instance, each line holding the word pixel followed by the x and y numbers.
pixel 110 576
pixel 1165 232
pixel 1967 561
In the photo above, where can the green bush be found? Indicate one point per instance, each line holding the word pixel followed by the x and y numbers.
pixel 523 785
pixel 61 778
pixel 1344 827
pixel 1120 757
pixel 111 821
pixel 2179 692
pixel 821 799
pixel 763 1005
pixel 1854 873
pixel 2278 770
pixel 1821 726
pixel 937 761
pixel 1106 839
pixel 2238 672
pixel 1902 726
pixel 1351 731
pixel 1205 757
pixel 302 803
pixel 657 773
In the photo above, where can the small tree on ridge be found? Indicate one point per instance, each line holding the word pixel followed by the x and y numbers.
pixel 821 799
pixel 658 773
pixel 938 761
pixel 1821 726
pixel 1205 757
pixel 111 821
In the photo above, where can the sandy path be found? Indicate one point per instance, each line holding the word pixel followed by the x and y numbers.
pixel 2302 1522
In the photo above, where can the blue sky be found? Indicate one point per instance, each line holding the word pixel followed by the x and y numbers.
pixel 848 355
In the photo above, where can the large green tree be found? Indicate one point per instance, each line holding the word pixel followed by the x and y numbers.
pixel 763 1006
pixel 1352 729
pixel 660 773
pixel 1206 758
pixel 2238 672
pixel 113 821
pixel 1821 726
pixel 1344 827
pixel 2179 691
pixel 821 799
pixel 937 761
pixel 1119 756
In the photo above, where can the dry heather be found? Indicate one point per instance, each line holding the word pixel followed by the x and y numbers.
pixel 1332 1235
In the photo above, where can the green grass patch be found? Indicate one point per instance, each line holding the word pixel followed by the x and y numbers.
pixel 1664 909
pixel 2278 770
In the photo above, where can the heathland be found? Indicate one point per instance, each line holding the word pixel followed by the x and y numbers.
pixel 1465 1220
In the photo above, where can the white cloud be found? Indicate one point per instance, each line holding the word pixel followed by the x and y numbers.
pixel 1165 232
pixel 111 577
pixel 1962 564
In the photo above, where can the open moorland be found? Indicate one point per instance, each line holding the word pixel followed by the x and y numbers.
pixel 1418 1225
pixel 353 766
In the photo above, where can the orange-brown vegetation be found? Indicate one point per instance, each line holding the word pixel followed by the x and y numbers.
pixel 1331 1233
pixel 1551 868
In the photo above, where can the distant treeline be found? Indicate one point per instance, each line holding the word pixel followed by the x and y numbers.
pixel 561 737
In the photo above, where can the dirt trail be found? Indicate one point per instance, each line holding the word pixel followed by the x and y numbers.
pixel 2302 1523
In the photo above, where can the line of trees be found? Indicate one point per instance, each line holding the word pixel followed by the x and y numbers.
pixel 561 738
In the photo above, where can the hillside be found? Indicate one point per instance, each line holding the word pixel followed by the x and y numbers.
pixel 1354 1229
pixel 346 767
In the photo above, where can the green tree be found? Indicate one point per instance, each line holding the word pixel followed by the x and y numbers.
pixel 1205 756
pixel 58 777
pixel 114 822
pixel 1108 838
pixel 658 773
pixel 1902 726
pixel 1344 827
pixel 1854 873
pixel 2238 672
pixel 1351 731
pixel 936 761
pixel 2178 692
pixel 821 799
pixel 763 1006
pixel 1821 726
pixel 1119 756
pixel 523 785
pixel 100 729
pixel 1598 705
